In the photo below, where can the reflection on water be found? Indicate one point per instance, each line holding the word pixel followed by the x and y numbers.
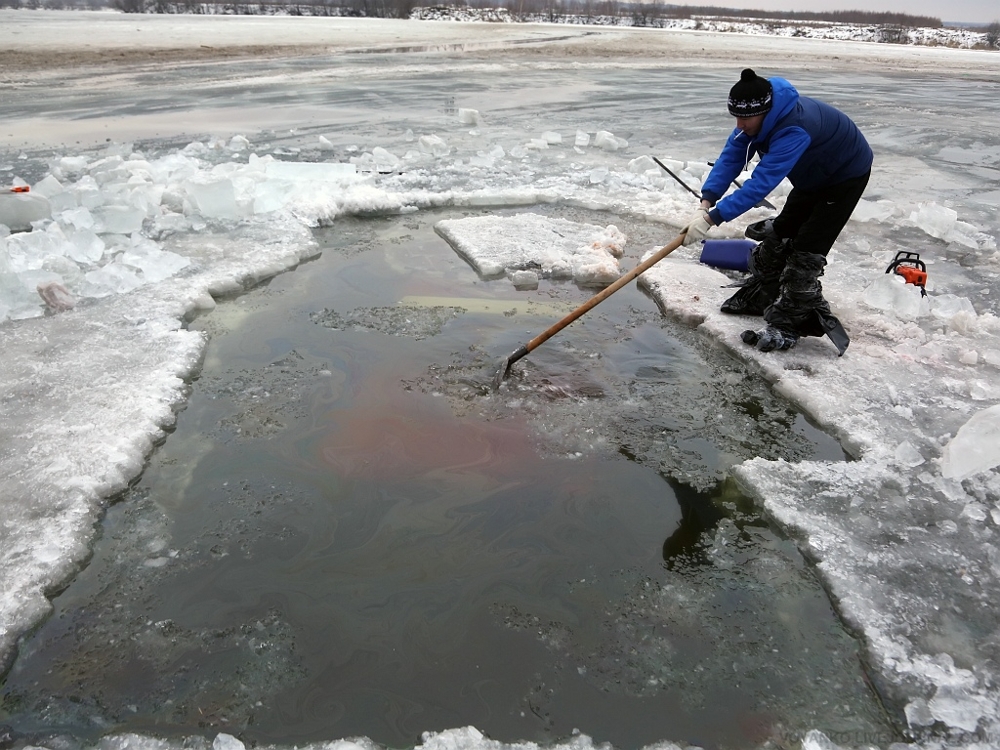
pixel 348 535
pixel 686 544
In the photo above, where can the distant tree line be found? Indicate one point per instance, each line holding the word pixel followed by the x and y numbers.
pixel 858 17
pixel 401 8
pixel 56 4
pixel 892 27
pixel 993 35
pixel 551 8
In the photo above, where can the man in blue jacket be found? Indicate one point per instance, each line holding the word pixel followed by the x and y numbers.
pixel 828 162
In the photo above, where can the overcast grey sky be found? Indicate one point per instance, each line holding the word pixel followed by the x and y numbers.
pixel 966 11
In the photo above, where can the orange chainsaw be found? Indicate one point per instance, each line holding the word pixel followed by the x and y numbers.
pixel 913 270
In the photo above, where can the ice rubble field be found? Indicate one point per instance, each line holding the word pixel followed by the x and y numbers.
pixel 906 537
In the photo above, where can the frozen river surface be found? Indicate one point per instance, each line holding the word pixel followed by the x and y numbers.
pixel 150 228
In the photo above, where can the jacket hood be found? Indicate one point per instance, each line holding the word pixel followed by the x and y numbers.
pixel 784 98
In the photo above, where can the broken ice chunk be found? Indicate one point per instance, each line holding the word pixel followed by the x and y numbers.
pixel 641 164
pixel 213 198
pixel 81 218
pixel 601 273
pixel 525 280
pixel 432 144
pixel 155 264
pixel 305 171
pixel 119 219
pixel 606 140
pixel 18 210
pixel 935 220
pixel 908 455
pixel 225 741
pixel 874 211
pixel 468 116
pixel 57 297
pixel 891 293
pixel 114 278
pixel 954 310
pixel 957 707
pixel 611 239
pixel 597 176
pixel 976 446
pixel 918 713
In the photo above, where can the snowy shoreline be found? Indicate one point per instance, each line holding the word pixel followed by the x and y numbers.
pixel 37 44
pixel 875 33
pixel 906 537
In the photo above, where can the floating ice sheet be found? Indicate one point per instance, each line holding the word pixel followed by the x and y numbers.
pixel 553 248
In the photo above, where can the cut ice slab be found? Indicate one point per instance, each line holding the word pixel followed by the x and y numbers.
pixel 976 446
pixel 18 210
pixel 935 220
pixel 288 182
pixel 553 248
pixel 311 171
pixel 891 293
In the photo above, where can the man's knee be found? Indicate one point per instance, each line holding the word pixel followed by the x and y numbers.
pixel 768 257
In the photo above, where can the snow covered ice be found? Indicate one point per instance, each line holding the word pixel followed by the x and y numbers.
pixel 146 230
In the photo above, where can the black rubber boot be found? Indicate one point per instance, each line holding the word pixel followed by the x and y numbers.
pixel 769 339
pixel 761 230
pixel 800 309
pixel 759 291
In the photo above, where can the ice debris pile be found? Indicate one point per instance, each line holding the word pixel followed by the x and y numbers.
pixel 109 216
pixel 462 738
pixel 19 208
pixel 110 221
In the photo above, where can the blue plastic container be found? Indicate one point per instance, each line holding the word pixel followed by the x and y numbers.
pixel 731 254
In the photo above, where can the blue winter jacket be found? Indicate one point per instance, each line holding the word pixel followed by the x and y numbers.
pixel 805 140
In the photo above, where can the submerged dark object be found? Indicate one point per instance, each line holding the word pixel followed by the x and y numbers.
pixel 7 736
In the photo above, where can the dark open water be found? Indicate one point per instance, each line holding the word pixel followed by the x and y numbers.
pixel 349 534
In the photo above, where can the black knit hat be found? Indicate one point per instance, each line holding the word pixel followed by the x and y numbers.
pixel 750 96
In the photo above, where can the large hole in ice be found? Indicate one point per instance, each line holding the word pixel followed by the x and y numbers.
pixel 351 534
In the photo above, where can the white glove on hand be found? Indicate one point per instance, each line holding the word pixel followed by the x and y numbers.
pixel 697 227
